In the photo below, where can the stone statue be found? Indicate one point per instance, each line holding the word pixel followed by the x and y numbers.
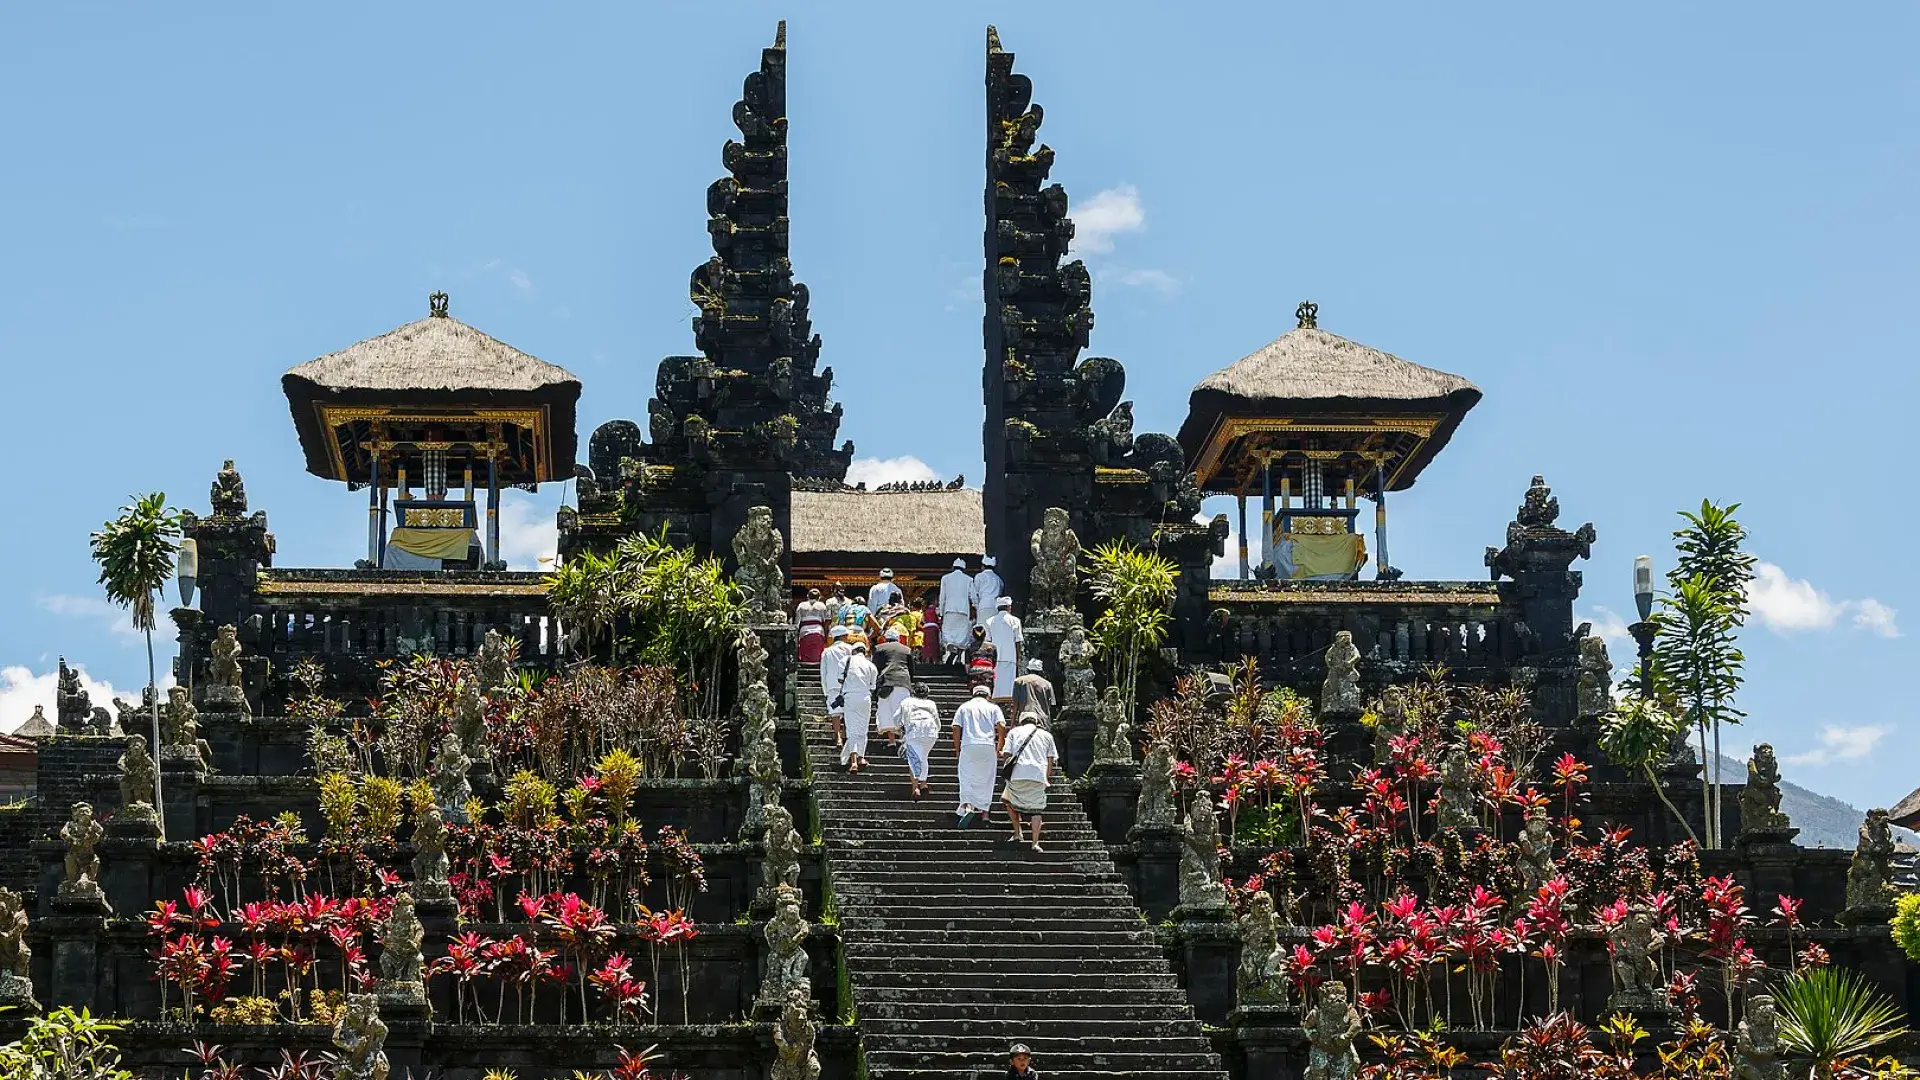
pixel 1200 856
pixel 1076 659
pixel 756 551
pixel 1261 979
pixel 71 705
pixel 784 846
pixel 361 1037
pixel 1330 1028
pixel 1154 810
pixel 470 719
pixel 401 965
pixel 751 654
pixel 101 722
pixel 1756 1044
pixel 1870 877
pixel 1390 723
pixel 1055 577
pixel 1534 852
pixel 1340 693
pixel 1636 974
pixel 1113 735
pixel 1459 806
pixel 229 492
pixel 494 664
pixel 81 833
pixel 137 775
pixel 16 956
pixel 786 948
pixel 1594 691
pixel 430 855
pixel 764 782
pixel 180 728
pixel 1538 509
pixel 451 789
pixel 225 687
pixel 1760 815
pixel 793 1039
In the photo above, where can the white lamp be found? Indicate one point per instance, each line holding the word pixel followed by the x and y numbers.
pixel 187 569
pixel 1643 586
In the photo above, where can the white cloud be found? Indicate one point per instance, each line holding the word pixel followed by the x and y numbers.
pixel 528 534
pixel 1611 628
pixel 1158 280
pixel 1107 214
pixel 518 279
pixel 1839 744
pixel 1786 604
pixel 112 615
pixel 21 690
pixel 876 471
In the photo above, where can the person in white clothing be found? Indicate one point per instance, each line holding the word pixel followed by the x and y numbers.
pixel 922 719
pixel 833 665
pixel 978 726
pixel 1004 631
pixel 884 592
pixel 956 613
pixel 1030 748
pixel 856 701
pixel 987 589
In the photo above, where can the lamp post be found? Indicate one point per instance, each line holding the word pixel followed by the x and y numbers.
pixel 1643 630
pixel 186 570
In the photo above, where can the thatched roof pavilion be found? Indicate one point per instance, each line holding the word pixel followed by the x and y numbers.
pixel 847 535
pixel 432 381
pixel 438 403
pixel 1329 419
pixel 1310 384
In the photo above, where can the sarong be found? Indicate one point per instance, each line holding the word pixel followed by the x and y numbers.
pixel 1003 676
pixel 859 715
pixel 955 630
pixel 979 767
pixel 888 716
pixel 920 742
pixel 813 641
pixel 1027 796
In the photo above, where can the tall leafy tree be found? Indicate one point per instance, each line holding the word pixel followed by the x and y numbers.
pixel 1697 655
pixel 136 552
pixel 1638 735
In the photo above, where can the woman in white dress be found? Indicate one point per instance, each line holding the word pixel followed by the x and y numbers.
pixel 922 719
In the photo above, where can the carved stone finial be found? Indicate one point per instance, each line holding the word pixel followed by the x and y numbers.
pixel 437 305
pixel 1307 315
pixel 228 495
pixel 780 35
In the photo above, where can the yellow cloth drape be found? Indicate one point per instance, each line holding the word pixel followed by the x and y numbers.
pixel 433 543
pixel 1315 555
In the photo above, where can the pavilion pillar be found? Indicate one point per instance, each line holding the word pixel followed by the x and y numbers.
pixel 493 510
pixel 380 553
pixel 1266 510
pixel 1244 572
pixel 373 512
pixel 1380 517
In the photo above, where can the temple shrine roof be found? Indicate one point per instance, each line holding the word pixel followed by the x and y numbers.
pixel 944 522
pixel 1906 812
pixel 436 369
pixel 1308 376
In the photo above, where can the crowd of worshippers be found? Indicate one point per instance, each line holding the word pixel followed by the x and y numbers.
pixel 868 650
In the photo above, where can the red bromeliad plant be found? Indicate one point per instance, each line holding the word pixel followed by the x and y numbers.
pixel 583 931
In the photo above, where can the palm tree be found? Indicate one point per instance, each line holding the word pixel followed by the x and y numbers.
pixel 135 552
pixel 1639 735
pixel 1830 1015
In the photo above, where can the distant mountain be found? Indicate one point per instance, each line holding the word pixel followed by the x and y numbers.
pixel 1823 821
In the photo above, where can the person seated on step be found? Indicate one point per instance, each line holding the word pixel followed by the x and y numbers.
pixel 1032 755
pixel 1020 1063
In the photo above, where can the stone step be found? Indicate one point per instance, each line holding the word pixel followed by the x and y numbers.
pixel 1104 968
pixel 1007 940
pixel 1001 999
pixel 888 950
pixel 941 1012
pixel 1028 1030
pixel 922 1056
pixel 890 915
pixel 944 983
pixel 984 892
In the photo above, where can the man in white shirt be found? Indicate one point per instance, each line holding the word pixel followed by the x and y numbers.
pixel 1030 748
pixel 987 589
pixel 956 613
pixel 884 592
pixel 1004 631
pixel 833 666
pixel 978 726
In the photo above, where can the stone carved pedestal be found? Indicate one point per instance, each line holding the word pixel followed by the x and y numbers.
pixel 1114 789
pixel 74 932
pixel 1156 869
pixel 1209 948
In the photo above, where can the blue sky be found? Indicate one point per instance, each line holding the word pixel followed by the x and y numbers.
pixel 1675 246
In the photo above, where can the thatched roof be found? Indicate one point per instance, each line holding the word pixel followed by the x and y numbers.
pixel 1906 812
pixel 1308 372
pixel 889 522
pixel 436 364
pixel 36 726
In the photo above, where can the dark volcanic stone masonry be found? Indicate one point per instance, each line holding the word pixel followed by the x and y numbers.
pixel 959 944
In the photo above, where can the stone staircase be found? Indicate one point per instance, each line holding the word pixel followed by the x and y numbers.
pixel 959 944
